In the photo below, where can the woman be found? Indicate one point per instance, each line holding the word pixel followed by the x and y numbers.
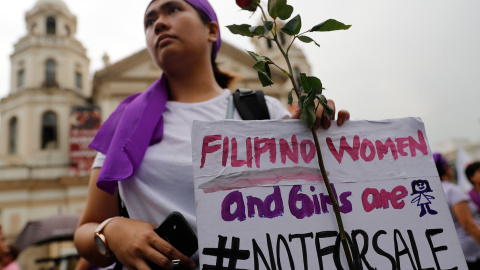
pixel 466 224
pixel 473 175
pixel 145 144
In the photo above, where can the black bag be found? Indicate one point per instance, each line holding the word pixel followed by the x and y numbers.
pixel 251 105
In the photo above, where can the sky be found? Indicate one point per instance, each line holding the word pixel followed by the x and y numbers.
pixel 405 58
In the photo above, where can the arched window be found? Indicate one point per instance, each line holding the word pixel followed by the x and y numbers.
pixel 51 25
pixel 269 43
pixel 12 136
pixel 78 79
pixel 20 78
pixel 50 72
pixel 49 131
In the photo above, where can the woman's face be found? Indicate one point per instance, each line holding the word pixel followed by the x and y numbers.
pixel 175 33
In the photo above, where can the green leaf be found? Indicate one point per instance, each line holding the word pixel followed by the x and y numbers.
pixel 267 70
pixel 308 117
pixel 326 109
pixel 274 5
pixel 257 30
pixel 310 101
pixel 263 67
pixel 264 73
pixel 280 9
pixel 329 25
pixel 259 66
pixel 307 40
pixel 309 82
pixel 264 79
pixel 242 29
pixel 290 97
pixel 301 100
pixel 293 26
pixel 258 58
pixel 268 25
pixel 285 12
pixel 316 91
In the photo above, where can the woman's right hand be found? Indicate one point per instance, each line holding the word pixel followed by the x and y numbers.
pixel 135 243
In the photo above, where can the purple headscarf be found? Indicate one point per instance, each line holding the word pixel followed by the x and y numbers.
pixel 440 163
pixel 137 123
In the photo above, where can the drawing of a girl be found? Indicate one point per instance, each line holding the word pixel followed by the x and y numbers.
pixel 421 187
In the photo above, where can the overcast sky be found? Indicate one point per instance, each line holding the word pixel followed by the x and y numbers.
pixel 400 58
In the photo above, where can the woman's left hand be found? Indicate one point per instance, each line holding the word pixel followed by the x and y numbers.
pixel 322 120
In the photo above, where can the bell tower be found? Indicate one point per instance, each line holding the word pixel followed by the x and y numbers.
pixel 49 55
pixel 49 75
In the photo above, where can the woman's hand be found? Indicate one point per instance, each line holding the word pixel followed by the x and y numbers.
pixel 322 119
pixel 135 244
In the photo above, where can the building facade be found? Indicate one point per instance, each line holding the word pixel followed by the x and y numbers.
pixel 50 76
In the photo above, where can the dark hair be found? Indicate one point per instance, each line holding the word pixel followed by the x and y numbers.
pixel 415 182
pixel 223 79
pixel 471 169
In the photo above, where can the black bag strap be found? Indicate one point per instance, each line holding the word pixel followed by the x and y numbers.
pixel 251 105
pixel 122 208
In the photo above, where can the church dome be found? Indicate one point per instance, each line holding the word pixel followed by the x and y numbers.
pixel 57 5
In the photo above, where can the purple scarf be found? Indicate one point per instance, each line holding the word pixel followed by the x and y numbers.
pixel 136 124
pixel 475 197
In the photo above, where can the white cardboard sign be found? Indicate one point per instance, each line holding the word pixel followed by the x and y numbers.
pixel 262 204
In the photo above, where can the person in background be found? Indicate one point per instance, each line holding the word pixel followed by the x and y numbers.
pixel 3 245
pixel 462 209
pixel 9 259
pixel 473 175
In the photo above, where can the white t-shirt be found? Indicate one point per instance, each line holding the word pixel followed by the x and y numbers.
pixel 163 183
pixel 454 194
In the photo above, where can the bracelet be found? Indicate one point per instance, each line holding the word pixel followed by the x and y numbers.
pixel 101 240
